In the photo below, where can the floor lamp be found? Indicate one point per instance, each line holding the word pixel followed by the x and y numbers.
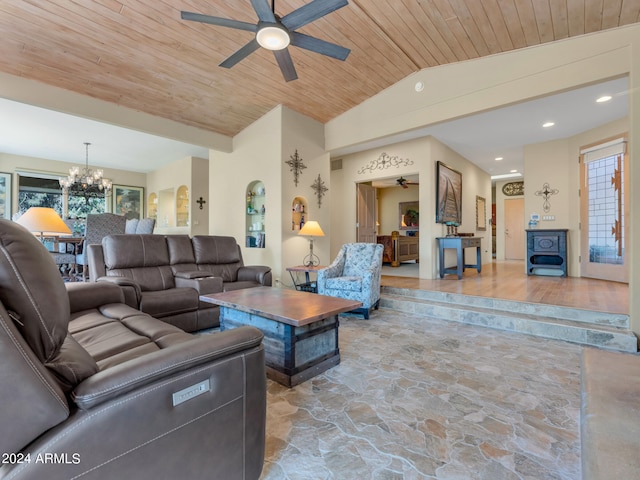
pixel 311 229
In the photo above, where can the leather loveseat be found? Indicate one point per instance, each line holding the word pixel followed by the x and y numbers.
pixel 165 275
pixel 94 389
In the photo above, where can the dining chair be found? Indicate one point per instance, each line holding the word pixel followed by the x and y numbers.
pixel 98 226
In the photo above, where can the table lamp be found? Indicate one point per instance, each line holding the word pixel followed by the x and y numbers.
pixel 311 229
pixel 43 221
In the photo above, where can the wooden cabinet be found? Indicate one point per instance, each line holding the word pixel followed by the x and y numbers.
pixel 547 252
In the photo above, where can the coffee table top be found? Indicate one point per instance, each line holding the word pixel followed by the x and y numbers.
pixel 287 306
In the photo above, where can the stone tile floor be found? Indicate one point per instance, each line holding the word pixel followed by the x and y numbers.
pixel 418 398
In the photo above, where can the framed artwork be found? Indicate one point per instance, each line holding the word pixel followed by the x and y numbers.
pixel 409 213
pixel 448 195
pixel 128 201
pixel 5 195
pixel 481 213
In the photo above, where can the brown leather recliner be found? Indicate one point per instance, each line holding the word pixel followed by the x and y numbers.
pixel 94 389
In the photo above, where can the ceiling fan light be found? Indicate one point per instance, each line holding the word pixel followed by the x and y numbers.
pixel 273 38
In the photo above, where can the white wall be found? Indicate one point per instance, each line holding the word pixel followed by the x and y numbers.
pixel 424 153
pixel 192 172
pixel 259 153
pixel 256 156
pixel 307 137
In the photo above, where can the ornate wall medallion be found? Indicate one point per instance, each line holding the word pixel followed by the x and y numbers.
pixel 513 189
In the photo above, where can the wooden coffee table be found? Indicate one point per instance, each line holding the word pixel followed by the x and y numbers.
pixel 300 328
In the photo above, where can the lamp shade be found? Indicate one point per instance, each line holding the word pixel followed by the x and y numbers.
pixel 44 221
pixel 311 229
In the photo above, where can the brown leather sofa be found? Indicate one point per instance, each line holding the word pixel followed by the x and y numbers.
pixel 165 275
pixel 94 389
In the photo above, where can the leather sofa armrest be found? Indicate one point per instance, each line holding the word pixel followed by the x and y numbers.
pixel 203 285
pixel 131 289
pixel 255 273
pixel 95 261
pixel 138 372
pixel 84 296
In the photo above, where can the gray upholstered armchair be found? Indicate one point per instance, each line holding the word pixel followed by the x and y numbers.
pixel 354 275
pixel 95 389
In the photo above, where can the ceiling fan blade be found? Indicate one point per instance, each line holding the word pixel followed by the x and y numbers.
pixel 262 8
pixel 310 12
pixel 241 54
pixel 286 64
pixel 319 46
pixel 222 22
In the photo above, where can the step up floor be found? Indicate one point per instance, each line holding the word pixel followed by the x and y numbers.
pixel 586 327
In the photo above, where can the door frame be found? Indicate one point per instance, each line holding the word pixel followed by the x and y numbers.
pixel 505 233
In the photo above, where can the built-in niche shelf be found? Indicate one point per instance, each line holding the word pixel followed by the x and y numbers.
pixel 152 208
pixel 182 206
pixel 255 214
pixel 299 209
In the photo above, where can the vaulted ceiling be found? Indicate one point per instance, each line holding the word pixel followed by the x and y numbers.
pixel 140 54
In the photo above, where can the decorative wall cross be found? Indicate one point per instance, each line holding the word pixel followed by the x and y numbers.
pixel 201 201
pixel 545 193
pixel 296 165
pixel 320 189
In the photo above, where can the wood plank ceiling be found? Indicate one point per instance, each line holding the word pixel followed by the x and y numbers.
pixel 141 55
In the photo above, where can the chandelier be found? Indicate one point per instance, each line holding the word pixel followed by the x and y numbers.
pixel 86 182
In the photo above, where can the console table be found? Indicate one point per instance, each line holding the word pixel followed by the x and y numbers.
pixel 459 244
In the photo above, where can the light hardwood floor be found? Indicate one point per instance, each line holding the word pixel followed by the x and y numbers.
pixel 508 280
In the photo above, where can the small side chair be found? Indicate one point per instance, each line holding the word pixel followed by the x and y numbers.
pixel 354 275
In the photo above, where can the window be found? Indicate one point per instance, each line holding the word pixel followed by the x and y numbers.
pixel 605 189
pixel 43 190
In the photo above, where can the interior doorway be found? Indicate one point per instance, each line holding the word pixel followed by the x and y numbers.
pixel 366 208
pixel 514 243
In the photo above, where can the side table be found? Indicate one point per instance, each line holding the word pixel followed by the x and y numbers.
pixel 308 285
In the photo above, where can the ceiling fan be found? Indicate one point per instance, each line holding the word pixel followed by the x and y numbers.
pixel 275 33
pixel 404 183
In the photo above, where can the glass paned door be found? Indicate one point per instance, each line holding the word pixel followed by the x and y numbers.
pixel 604 213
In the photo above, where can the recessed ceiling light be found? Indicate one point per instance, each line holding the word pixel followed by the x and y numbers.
pixel 604 98
pixel 499 158
pixel 548 124
pixel 419 86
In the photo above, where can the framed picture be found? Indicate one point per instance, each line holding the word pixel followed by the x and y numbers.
pixel 128 201
pixel 409 213
pixel 481 213
pixel 448 195
pixel 5 195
